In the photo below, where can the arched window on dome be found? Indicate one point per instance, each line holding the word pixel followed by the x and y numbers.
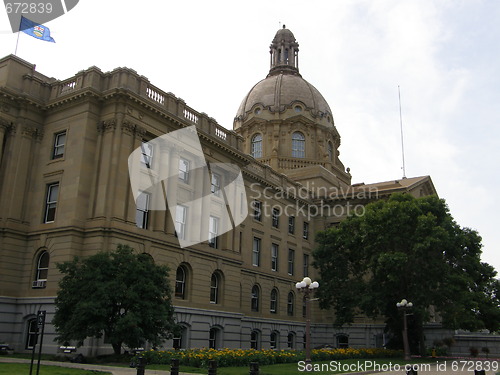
pixel 298 145
pixel 330 151
pixel 256 150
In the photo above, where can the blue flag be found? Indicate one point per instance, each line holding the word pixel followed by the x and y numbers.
pixel 35 30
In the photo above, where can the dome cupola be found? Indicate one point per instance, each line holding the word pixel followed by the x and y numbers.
pixel 285 121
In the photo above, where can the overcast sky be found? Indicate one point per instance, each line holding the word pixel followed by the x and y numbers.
pixel 444 55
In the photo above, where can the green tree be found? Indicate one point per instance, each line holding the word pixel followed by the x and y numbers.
pixel 406 247
pixel 120 294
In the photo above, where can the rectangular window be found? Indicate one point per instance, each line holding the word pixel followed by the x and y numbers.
pixel 59 142
pixel 274 257
pixel 276 217
pixel 142 212
pixel 291 224
pixel 305 233
pixel 213 231
pixel 180 221
pixel 306 265
pixel 51 203
pixel 256 252
pixel 146 154
pixel 215 187
pixel 257 210
pixel 291 261
pixel 184 170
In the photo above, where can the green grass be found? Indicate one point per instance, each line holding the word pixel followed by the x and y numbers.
pixel 292 368
pixel 24 369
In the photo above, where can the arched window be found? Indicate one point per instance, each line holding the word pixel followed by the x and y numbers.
pixel 298 145
pixel 31 333
pixel 342 341
pixel 256 150
pixel 330 151
pixel 180 340
pixel 274 340
pixel 214 338
pixel 291 340
pixel 255 298
pixel 181 282
pixel 42 270
pixel 214 288
pixel 290 303
pixel 255 339
pixel 274 301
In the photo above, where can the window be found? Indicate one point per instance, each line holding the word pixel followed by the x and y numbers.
pixel 180 340
pixel 291 340
pixel 256 150
pixel 330 151
pixel 215 187
pixel 274 257
pixel 257 210
pixel 297 108
pixel 306 265
pixel 180 221
pixel 142 211
pixel 274 340
pixel 291 261
pixel 214 338
pixel 146 154
pixel 304 307
pixel 31 333
pixel 255 298
pixel 184 170
pixel 276 217
pixel 214 288
pixel 180 282
pixel 342 341
pixel 256 252
pixel 274 301
pixel 298 145
pixel 42 270
pixel 291 224
pixel 213 231
pixel 255 340
pixel 305 232
pixel 51 203
pixel 289 304
pixel 59 142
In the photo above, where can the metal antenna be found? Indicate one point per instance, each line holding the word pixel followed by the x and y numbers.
pixel 402 140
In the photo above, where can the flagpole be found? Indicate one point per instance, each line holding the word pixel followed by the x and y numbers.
pixel 18 33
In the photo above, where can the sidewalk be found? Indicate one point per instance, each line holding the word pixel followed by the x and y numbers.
pixel 112 369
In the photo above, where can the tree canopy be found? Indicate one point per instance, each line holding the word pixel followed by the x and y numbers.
pixel 406 247
pixel 120 294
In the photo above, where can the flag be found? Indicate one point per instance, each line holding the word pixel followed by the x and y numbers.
pixel 35 30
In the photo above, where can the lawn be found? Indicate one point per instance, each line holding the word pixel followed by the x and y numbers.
pixel 24 369
pixel 330 367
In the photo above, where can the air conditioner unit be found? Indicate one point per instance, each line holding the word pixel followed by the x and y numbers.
pixel 39 284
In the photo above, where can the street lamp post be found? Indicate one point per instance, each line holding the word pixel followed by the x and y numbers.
pixel 307 286
pixel 403 305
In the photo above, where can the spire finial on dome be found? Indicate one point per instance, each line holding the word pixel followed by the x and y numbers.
pixel 284 51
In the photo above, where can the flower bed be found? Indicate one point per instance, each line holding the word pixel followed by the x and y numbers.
pixel 243 357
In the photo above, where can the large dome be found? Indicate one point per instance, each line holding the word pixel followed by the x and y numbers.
pixel 282 91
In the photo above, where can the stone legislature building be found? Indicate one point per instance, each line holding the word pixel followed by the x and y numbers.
pixel 65 192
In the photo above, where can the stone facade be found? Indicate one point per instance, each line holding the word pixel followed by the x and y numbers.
pixel 65 192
